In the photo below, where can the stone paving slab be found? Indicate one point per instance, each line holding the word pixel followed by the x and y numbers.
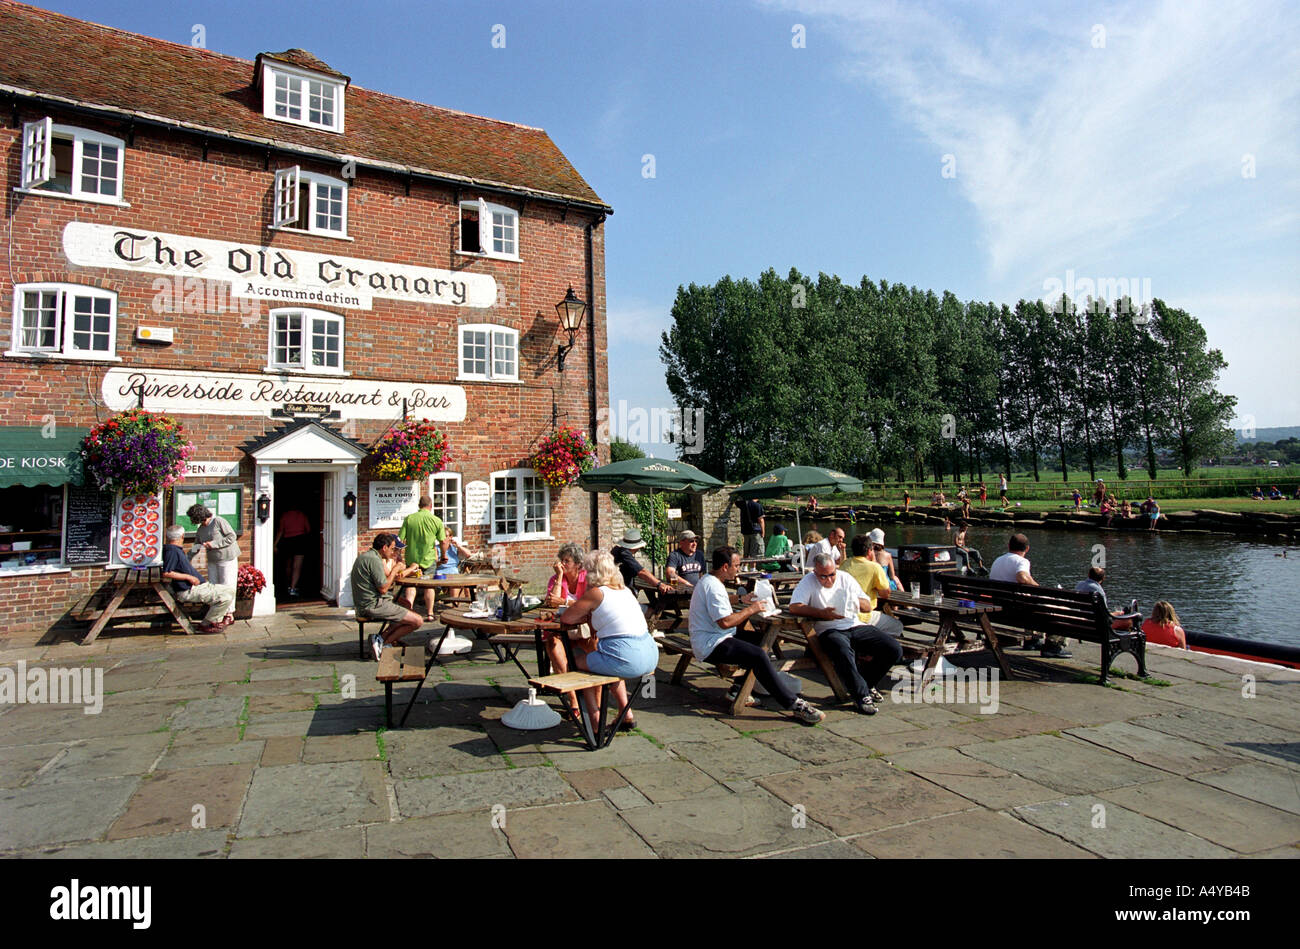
pixel 1084 703
pixel 735 759
pixel 593 783
pixel 104 758
pixel 266 705
pixel 860 796
pixel 1157 749
pixel 672 725
pixel 861 727
pixel 1230 701
pixel 664 781
pixel 832 850
pixel 176 693
pixel 572 754
pixel 981 782
pixel 81 810
pixel 1218 816
pixel 281 751
pixel 206 755
pixel 130 678
pixel 448 750
pixel 1125 835
pixel 449 837
pixel 1069 765
pixel 321 749
pixel 273 669
pixel 1237 736
pixel 589 830
pixel 998 726
pixel 193 844
pixel 296 797
pixel 812 745
pixel 168 802
pixel 735 825
pixel 347 843
pixel 276 687
pixel 181 672
pixel 479 791
pixel 18 763
pixel 1264 783
pixel 209 713
pixel 977 835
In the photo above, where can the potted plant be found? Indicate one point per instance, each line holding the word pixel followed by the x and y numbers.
pixel 410 451
pixel 248 584
pixel 562 456
pixel 136 452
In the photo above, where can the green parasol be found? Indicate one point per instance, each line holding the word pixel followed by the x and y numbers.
pixel 797 480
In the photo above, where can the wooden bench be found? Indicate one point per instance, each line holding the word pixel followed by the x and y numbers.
pixel 401 664
pixel 565 683
pixel 135 592
pixel 1053 613
pixel 678 644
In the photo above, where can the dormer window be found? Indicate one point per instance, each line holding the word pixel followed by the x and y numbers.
pixel 306 201
pixel 302 97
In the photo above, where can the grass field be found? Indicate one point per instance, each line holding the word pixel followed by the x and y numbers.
pixel 1166 505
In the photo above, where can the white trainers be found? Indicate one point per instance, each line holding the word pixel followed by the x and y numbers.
pixel 806 713
pixel 377 645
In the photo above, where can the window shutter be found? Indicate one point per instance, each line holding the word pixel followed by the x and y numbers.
pixel 286 196
pixel 484 228
pixel 37 159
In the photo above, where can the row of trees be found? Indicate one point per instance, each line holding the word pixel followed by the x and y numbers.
pixel 884 380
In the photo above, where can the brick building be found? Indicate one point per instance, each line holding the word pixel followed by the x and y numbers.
pixel 282 261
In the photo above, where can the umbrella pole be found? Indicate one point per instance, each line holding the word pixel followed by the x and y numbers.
pixel 798 528
pixel 653 527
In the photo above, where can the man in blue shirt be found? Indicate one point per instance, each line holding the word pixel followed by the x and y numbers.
pixel 686 562
pixel 189 586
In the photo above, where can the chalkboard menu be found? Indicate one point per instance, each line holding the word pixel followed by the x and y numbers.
pixel 87 527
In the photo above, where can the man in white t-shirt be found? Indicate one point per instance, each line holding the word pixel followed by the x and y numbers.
pixel 1013 567
pixel 832 545
pixel 718 635
pixel 833 599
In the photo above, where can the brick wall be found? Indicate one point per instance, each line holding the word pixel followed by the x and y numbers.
pixel 172 188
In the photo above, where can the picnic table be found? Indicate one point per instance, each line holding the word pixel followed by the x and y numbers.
pixel 947 613
pixel 664 608
pixel 146 580
pixel 506 637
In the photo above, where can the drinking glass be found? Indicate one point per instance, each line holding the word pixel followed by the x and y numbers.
pixel 938 596
pixel 916 588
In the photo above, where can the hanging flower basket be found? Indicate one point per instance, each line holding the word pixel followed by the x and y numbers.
pixel 562 456
pixel 136 452
pixel 409 451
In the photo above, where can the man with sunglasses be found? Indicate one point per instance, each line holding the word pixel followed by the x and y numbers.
pixel 833 599
pixel 686 562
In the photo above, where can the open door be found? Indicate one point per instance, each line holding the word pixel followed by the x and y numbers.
pixel 330 513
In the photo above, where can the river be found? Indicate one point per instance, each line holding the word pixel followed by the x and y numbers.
pixel 1217 583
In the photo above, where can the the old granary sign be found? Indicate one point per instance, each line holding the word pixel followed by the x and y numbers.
pixel 227 393
pixel 278 276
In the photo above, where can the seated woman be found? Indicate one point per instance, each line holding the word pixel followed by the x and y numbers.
pixel 1107 512
pixel 624 647
pixel 1163 626
pixel 563 590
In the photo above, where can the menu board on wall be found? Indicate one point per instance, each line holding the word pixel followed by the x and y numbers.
pixel 478 498
pixel 391 501
pixel 226 501
pixel 139 530
pixel 87 527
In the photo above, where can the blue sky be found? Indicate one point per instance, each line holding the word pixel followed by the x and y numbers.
pixel 1154 142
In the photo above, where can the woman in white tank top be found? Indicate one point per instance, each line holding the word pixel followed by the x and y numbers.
pixel 624 646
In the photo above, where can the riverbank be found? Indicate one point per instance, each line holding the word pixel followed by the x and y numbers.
pixel 1273 524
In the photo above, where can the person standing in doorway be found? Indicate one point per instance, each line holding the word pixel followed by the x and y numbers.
pixel 294 540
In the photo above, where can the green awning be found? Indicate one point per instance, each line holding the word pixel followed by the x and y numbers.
pixel 28 457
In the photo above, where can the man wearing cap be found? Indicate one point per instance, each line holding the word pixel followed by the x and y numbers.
pixel 373 574
pixel 686 563
pixel 630 567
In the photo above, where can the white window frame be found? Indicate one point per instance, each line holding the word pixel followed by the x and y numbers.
pixel 285 204
pixel 38 167
pixel 515 478
pixel 496 336
pixel 452 491
pixel 304 365
pixel 64 331
pixel 485 226
pixel 299 80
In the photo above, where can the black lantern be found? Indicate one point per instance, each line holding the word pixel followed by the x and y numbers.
pixel 570 311
pixel 349 505
pixel 263 509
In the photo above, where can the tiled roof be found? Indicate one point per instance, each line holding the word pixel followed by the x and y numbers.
pixel 53 55
pixel 300 57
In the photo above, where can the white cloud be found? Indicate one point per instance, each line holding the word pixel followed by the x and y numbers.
pixel 1071 154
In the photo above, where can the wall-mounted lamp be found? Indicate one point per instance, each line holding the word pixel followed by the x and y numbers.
pixel 349 505
pixel 570 311
pixel 263 509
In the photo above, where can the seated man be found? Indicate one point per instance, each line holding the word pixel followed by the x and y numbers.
pixel 832 545
pixel 875 585
pixel 686 563
pixel 1257 494
pixel 624 554
pixel 189 586
pixel 714 636
pixel 1014 567
pixel 834 600
pixel 373 574
pixel 1123 620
